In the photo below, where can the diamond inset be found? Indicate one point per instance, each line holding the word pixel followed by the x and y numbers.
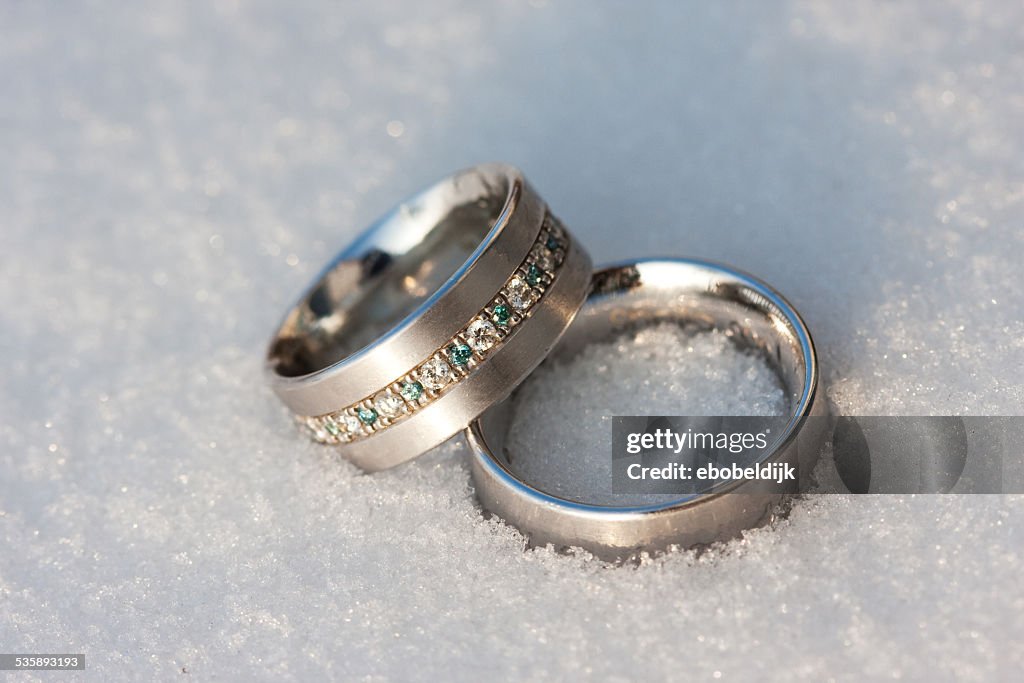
pixel 543 257
pixel 459 354
pixel 435 373
pixel 332 427
pixel 501 315
pixel 367 416
pixel 411 391
pixel 316 426
pixel 533 275
pixel 519 294
pixel 388 404
pixel 350 423
pixel 481 335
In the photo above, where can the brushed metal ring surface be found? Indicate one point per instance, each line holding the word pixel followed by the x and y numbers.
pixel 698 295
pixel 434 313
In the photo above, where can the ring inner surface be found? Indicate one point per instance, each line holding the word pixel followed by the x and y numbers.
pixel 698 299
pixel 389 271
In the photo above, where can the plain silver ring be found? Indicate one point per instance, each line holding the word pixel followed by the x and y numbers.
pixel 433 314
pixel 701 295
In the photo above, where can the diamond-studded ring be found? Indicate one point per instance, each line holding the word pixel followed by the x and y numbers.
pixel 699 296
pixel 433 314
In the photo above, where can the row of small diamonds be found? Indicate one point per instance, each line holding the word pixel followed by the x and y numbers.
pixel 456 359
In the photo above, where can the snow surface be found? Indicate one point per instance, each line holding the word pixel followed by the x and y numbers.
pixel 172 174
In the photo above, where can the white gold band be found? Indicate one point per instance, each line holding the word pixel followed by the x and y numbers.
pixel 433 314
pixel 693 293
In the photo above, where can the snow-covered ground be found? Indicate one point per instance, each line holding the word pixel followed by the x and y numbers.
pixel 171 175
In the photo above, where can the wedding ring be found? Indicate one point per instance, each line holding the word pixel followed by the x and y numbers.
pixel 433 314
pixel 698 296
